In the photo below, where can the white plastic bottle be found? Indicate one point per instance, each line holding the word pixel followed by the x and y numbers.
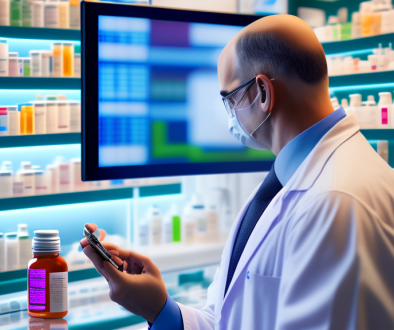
pixel 212 224
pixel 25 252
pixel 355 103
pixel 168 225
pixel 3 121
pixel 51 14
pixel 198 212
pixel 26 176
pixel 40 180
pixel 75 116
pixel 4 65
pixel 5 12
pixel 6 181
pixel 38 13
pixel 384 117
pixel 12 251
pixel 14 120
pixel 27 13
pixel 63 174
pixel 2 253
pixel 52 115
pixel 143 232
pixel 76 183
pixel 189 225
pixel 64 14
pixel 40 117
pixel 52 182
pixel 155 219
pixel 63 116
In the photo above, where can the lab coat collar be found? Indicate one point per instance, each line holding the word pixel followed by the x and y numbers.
pixel 302 179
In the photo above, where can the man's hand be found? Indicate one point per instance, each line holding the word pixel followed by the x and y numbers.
pixel 140 288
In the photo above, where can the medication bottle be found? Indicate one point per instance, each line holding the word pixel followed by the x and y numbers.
pixel 68 59
pixel 57 50
pixel 212 224
pixel 3 121
pixel 13 68
pixel 26 176
pixel 13 120
pixel 36 63
pixel 77 60
pixel 75 14
pixel 20 67
pixel 46 64
pixel 27 119
pixel 16 13
pixel 367 18
pixel 143 232
pixel 38 13
pixel 383 119
pixel 26 66
pixel 47 279
pixel 52 186
pixel 12 251
pixel 27 13
pixel 63 109
pixel 63 174
pixel 3 58
pixel 52 115
pixel 64 14
pixel 189 225
pixel 51 14
pixel 24 246
pixel 40 180
pixel 2 253
pixel 154 216
pixel 75 116
pixel 40 122
pixel 5 184
pixel 355 104
pixel 166 234
pixel 198 212
pixel 5 12
pixel 76 183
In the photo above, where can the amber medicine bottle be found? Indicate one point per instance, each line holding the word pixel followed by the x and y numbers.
pixel 47 277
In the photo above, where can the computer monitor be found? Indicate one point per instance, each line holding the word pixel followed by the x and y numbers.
pixel 151 97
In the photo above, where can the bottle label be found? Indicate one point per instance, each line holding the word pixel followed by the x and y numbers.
pixel 385 119
pixel 58 291
pixel 37 300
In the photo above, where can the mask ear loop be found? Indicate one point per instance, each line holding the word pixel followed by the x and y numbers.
pixel 269 97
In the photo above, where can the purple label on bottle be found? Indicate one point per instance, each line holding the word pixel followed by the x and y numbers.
pixel 385 117
pixel 37 284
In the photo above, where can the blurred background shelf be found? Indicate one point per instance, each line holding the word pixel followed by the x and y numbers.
pixel 39 33
pixel 40 83
pixel 36 140
pixel 167 258
pixel 344 46
pixel 378 134
pixel 362 79
pixel 18 203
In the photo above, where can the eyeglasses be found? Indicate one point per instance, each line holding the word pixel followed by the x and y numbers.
pixel 230 103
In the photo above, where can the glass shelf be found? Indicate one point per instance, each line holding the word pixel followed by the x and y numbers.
pixel 362 79
pixel 343 46
pixel 35 140
pixel 41 83
pixel 26 202
pixel 39 33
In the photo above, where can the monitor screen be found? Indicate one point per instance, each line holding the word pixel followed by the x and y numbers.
pixel 159 97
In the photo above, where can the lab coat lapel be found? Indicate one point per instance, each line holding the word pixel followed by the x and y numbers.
pixel 302 179
pixel 226 255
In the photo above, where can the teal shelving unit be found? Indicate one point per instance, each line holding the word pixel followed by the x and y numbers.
pixel 363 80
pixel 39 83
pixel 36 140
pixel 374 135
pixel 39 33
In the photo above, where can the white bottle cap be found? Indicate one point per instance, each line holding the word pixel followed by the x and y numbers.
pixel 46 241
pixel 75 160
pixel 22 230
pixel 7 165
pixel 344 103
pixel 355 100
pixel 385 98
pixel 26 165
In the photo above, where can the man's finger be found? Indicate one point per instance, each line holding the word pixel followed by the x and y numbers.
pixel 96 259
pixel 92 227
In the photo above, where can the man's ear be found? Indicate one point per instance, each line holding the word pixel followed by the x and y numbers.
pixel 267 91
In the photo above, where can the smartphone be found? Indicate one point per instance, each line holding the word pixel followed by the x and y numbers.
pixel 96 245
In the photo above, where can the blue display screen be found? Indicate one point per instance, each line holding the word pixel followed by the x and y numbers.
pixel 159 100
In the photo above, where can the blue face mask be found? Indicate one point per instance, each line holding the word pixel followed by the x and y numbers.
pixel 236 129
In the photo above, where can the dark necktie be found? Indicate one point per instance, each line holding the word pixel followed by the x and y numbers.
pixel 267 191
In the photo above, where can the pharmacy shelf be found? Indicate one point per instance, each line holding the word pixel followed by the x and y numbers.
pixel 378 134
pixel 36 140
pixel 26 202
pixel 362 79
pixel 39 33
pixel 344 46
pixel 167 258
pixel 42 83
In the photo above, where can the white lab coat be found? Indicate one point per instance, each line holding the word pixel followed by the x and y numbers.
pixel 322 254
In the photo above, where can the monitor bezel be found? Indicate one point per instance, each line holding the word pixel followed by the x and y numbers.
pixel 90 11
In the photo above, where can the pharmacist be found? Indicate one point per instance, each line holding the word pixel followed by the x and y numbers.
pixel 313 247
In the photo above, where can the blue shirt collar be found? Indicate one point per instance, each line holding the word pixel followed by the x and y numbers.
pixel 294 153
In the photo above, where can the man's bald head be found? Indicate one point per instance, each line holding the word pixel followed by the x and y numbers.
pixel 279 46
